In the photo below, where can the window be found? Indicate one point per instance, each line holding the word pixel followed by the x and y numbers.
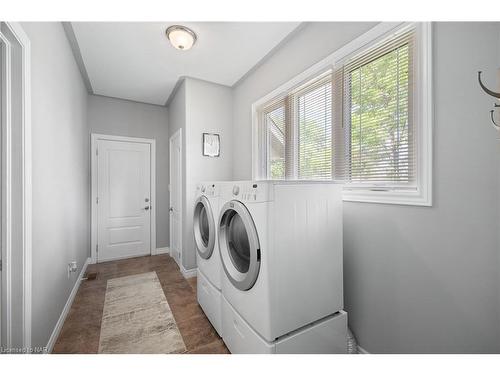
pixel 314 122
pixel 363 118
pixel 275 127
pixel 377 118
pixel 298 132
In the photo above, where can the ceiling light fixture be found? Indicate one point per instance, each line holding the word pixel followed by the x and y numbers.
pixel 181 37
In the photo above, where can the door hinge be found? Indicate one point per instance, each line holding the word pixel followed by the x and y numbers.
pixel 97 200
pixel 1 265
pixel 96 248
pixel 96 152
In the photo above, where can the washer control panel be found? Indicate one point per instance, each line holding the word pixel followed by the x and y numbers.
pixel 209 190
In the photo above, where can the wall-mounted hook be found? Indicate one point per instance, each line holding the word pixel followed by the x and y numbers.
pixel 487 90
pixel 495 95
pixel 495 125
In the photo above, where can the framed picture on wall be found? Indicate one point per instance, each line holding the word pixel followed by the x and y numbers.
pixel 211 145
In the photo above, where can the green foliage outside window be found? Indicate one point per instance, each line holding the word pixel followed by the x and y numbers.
pixel 315 133
pixel 376 102
pixel 379 118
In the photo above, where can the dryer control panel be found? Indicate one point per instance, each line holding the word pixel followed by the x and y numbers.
pixel 251 192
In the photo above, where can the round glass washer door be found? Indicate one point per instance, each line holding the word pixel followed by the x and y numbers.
pixel 239 245
pixel 204 227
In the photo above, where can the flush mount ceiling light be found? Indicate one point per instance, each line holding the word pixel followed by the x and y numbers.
pixel 181 37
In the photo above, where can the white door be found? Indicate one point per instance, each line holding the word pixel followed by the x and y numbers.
pixel 176 196
pixel 124 199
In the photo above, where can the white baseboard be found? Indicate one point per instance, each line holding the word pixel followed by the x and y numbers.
pixel 178 261
pixel 188 273
pixel 362 351
pixel 67 307
pixel 161 250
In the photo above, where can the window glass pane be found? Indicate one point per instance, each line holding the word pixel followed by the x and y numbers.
pixel 275 125
pixel 379 121
pixel 315 133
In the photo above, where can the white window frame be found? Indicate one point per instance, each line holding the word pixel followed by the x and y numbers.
pixel 422 194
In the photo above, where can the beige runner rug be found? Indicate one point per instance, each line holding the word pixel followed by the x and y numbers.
pixel 137 318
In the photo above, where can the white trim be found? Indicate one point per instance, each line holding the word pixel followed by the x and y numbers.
pixel 93 233
pixel 27 184
pixel 124 257
pixel 422 196
pixel 161 250
pixel 181 214
pixel 66 309
pixel 26 173
pixel 188 273
pixel 177 261
pixel 362 351
pixel 6 198
pixel 152 201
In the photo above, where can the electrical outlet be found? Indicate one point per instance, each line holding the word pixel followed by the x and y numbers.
pixel 72 267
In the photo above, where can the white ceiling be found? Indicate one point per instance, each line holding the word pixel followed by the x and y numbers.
pixel 135 61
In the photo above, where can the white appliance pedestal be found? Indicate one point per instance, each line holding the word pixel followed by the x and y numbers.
pixel 325 336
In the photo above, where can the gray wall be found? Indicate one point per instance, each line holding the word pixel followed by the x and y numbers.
pixel 208 109
pixel 435 270
pixel 132 119
pixel 417 279
pixel 200 107
pixel 61 179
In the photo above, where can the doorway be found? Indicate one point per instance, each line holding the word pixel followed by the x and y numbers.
pixel 176 214
pixel 123 197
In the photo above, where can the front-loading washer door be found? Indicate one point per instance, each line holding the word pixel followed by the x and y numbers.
pixel 239 245
pixel 204 227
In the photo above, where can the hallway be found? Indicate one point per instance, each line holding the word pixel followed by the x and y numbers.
pixel 81 330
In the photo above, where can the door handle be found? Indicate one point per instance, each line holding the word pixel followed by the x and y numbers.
pixel 171 209
pixel 146 208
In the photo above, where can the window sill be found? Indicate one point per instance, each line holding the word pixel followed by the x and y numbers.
pixel 400 197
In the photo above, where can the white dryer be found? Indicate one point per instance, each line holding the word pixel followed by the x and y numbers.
pixel 281 251
pixel 206 213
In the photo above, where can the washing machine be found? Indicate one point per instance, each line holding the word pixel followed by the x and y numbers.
pixel 209 269
pixel 281 250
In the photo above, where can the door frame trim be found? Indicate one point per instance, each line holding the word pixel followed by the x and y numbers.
pixel 21 38
pixel 94 137
pixel 177 133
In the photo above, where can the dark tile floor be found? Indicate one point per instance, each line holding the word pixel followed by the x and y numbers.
pixel 80 332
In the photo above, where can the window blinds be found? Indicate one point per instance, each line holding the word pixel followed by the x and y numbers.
pixel 377 115
pixel 354 123
pixel 314 130
pixel 298 132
